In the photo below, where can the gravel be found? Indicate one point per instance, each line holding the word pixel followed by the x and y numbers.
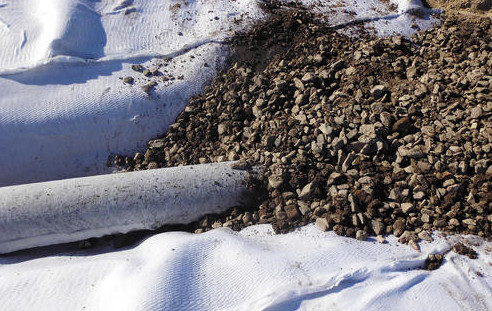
pixel 366 136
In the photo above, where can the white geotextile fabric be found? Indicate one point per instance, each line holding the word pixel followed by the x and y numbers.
pixel 64 107
pixel 251 270
pixel 383 18
pixel 71 210
pixel 35 32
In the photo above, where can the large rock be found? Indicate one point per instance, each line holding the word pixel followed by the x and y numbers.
pixel 308 191
pixel 379 91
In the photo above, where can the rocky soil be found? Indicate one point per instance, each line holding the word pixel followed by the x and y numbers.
pixel 465 7
pixel 367 136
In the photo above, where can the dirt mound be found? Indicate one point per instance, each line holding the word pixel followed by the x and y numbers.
pixel 362 136
pixel 482 7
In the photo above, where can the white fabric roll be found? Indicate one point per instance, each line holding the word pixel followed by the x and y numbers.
pixel 75 209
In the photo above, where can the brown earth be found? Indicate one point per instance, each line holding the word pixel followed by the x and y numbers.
pixel 465 7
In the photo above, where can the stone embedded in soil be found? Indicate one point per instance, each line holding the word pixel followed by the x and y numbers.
pixel 322 223
pixel 379 91
pixel 361 235
pixel 292 212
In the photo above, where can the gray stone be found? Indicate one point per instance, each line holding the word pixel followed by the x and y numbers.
pixel 476 112
pixel 407 207
pixel 308 191
pixel 361 235
pixel 379 91
pixel 275 181
pixel 325 129
pixel 378 227
pixel 308 77
pixel 322 223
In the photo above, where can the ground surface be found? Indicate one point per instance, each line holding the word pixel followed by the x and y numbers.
pixel 465 7
pixel 387 136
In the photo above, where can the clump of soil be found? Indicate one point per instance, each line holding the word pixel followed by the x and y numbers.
pixel 362 136
pixel 462 249
pixel 433 262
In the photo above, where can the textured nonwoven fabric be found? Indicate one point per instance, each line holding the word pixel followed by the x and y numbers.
pixel 250 270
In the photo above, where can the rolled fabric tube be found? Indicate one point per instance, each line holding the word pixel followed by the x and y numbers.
pixel 69 210
pixel 410 6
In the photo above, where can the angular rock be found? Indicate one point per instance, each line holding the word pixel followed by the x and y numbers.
pixel 378 227
pixel 402 125
pixel 399 227
pixel 476 112
pixel 308 191
pixel 423 235
pixel 361 235
pixel 308 77
pixel 275 181
pixel 381 239
pixel 292 212
pixel 322 223
pixel 379 91
pixel 407 207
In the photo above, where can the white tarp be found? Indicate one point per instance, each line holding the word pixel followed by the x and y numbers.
pixel 64 107
pixel 75 209
pixel 250 270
